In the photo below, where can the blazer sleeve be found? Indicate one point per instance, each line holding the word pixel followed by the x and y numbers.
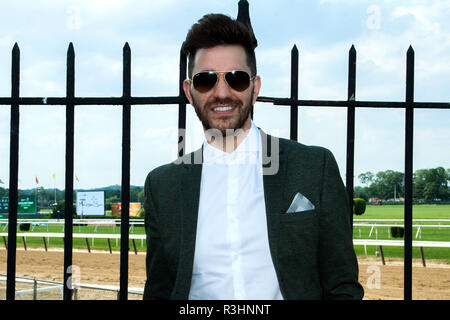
pixel 337 260
pixel 158 284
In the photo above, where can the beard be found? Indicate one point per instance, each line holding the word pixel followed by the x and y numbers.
pixel 229 124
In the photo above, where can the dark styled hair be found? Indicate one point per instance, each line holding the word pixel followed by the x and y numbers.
pixel 218 29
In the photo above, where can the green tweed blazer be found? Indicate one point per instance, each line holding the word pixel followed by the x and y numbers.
pixel 312 251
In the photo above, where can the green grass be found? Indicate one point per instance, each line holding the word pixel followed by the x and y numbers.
pixel 397 212
pixel 423 211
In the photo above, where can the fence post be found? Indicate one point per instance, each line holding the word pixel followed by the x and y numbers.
pixel 294 93
pixel 45 243
pixel 351 128
pixel 13 174
pixel 68 220
pixel 382 254
pixel 409 123
pixel 34 289
pixel 126 128
pixel 423 256
pixel 134 246
pixel 182 107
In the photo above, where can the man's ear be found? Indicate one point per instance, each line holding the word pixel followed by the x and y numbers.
pixel 187 90
pixel 256 88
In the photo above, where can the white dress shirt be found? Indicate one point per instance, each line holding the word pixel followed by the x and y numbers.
pixel 232 258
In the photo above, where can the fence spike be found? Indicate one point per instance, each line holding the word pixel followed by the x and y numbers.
pixel 70 50
pixel 15 70
pixel 244 17
pixel 126 70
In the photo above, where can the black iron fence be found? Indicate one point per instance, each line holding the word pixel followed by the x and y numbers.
pixel 127 101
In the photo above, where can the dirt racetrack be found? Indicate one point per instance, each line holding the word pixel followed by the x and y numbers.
pixel 102 268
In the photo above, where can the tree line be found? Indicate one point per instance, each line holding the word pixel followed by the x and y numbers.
pixel 428 185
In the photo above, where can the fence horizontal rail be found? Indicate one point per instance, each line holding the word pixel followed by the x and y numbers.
pixel 119 101
pixel 400 243
pixel 354 103
pixel 401 220
pixel 74 235
pixel 108 101
pixel 75 221
pixel 398 225
pixel 132 290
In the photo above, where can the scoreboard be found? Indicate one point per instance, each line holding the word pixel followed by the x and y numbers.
pixel 26 204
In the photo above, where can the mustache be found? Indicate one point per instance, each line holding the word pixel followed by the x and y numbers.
pixel 225 101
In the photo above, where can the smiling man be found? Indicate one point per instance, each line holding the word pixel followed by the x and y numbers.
pixel 222 99
pixel 220 226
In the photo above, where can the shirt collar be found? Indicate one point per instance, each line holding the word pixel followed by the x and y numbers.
pixel 249 146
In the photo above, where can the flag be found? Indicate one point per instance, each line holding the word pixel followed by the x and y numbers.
pixel 37 180
pixel 1 181
pixel 53 176
pixel 76 177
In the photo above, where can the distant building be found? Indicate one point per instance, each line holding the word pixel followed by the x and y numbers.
pixel 375 201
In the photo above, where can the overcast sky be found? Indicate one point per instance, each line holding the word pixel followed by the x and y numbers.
pixel 322 30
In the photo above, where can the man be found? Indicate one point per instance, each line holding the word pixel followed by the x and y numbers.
pixel 219 223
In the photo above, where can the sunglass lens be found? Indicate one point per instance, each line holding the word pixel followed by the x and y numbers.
pixel 204 81
pixel 238 80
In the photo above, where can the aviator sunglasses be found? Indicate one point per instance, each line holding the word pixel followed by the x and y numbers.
pixel 236 79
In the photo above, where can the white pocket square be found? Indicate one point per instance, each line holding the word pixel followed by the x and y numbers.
pixel 300 203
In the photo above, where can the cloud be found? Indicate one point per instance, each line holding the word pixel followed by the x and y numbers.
pixel 6 41
pixel 426 17
pixel 44 78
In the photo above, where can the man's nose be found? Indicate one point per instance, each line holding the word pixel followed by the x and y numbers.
pixel 222 89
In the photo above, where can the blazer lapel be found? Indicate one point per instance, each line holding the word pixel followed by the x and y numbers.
pixel 190 178
pixel 273 181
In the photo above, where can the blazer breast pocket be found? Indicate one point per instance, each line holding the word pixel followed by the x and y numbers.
pixel 298 232
pixel 299 217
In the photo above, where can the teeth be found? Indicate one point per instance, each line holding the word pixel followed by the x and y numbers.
pixel 223 108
